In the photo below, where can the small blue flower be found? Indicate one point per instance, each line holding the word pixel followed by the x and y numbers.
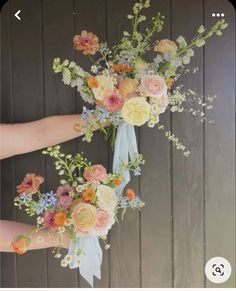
pixel 102 114
pixel 25 198
pixel 39 208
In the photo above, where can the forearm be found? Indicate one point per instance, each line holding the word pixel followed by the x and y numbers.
pixel 11 229
pixel 27 137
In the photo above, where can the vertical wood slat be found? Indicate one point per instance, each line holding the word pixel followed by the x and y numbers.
pixel 8 260
pixel 96 150
pixel 58 27
pixel 28 105
pixel 220 140
pixel 124 236
pixel 156 224
pixel 188 191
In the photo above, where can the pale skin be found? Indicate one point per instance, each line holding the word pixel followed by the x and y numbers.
pixel 16 139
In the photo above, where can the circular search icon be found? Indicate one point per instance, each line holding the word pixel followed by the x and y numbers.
pixel 218 270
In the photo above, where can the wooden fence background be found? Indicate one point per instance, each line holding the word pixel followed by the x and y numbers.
pixel 189 215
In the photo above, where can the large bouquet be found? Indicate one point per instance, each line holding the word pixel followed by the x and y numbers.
pixel 127 90
pixel 85 204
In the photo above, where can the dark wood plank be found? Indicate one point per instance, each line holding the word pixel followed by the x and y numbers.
pixel 188 191
pixel 59 100
pixel 90 16
pixel 124 236
pixel 220 141
pixel 8 260
pixel 155 188
pixel 28 105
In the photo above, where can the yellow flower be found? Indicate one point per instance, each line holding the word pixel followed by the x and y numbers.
pixel 136 111
pixel 105 86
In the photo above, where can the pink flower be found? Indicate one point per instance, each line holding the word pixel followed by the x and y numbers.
pixel 95 174
pixel 104 222
pixel 64 202
pixel 113 102
pixel 86 42
pixel 153 86
pixel 63 195
pixel 49 221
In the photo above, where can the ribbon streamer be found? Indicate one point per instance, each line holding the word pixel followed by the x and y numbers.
pixel 86 255
pixel 125 149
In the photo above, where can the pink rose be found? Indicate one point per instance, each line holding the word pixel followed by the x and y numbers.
pixel 49 221
pixel 63 191
pixel 95 174
pixel 64 202
pixel 104 222
pixel 153 86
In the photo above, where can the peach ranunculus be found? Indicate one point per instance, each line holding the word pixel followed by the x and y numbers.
pixel 20 244
pixel 165 46
pixel 84 217
pixel 30 184
pixel 130 194
pixel 92 82
pixel 95 174
pixel 128 87
pixel 86 42
pixel 107 198
pixel 105 86
pixel 113 101
pixel 136 111
pixel 153 85
pixel 104 222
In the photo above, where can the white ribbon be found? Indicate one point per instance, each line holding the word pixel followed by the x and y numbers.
pixel 125 149
pixel 89 261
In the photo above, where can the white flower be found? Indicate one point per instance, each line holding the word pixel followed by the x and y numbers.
pixel 40 220
pixel 94 69
pixel 61 229
pixel 64 263
pixel 57 256
pixel 201 29
pixel 78 83
pixel 107 198
pixel 68 258
pixel 66 76
pixel 107 247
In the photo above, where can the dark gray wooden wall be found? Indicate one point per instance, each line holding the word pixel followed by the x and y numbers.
pixel 189 215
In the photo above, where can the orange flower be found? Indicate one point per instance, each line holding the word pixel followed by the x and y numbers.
pixel 117 181
pixel 89 194
pixel 130 194
pixel 20 244
pixel 169 83
pixel 92 82
pixel 121 68
pixel 60 218
pixel 30 184
pixel 86 42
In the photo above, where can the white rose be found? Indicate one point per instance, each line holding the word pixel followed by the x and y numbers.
pixel 107 198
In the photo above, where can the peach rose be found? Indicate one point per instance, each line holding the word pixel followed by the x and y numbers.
pixel 107 198
pixel 20 244
pixel 95 174
pixel 86 42
pixel 30 184
pixel 105 86
pixel 153 85
pixel 165 46
pixel 84 217
pixel 128 87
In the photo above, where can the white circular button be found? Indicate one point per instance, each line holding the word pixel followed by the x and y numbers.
pixel 218 270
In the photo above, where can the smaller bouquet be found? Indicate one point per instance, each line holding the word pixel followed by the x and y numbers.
pixel 86 205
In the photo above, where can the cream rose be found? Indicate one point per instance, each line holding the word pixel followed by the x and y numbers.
pixel 105 86
pixel 84 217
pixel 107 198
pixel 165 46
pixel 136 111
pixel 153 85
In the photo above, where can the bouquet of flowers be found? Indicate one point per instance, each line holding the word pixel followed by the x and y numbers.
pixel 127 90
pixel 85 205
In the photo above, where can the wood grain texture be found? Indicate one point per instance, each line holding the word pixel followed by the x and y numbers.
pixel 57 14
pixel 220 141
pixel 28 105
pixel 188 176
pixel 155 188
pixel 189 215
